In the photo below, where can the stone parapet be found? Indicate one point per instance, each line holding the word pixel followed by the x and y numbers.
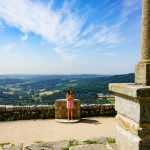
pixel 93 110
pixel 8 113
pixel 26 112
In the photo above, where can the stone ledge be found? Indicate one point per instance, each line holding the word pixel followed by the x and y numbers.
pixel 131 90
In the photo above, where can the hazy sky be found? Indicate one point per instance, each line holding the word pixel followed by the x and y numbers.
pixel 69 36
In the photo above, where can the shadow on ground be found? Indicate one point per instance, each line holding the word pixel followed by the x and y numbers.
pixel 90 121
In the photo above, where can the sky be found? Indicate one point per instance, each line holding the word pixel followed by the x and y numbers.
pixel 69 36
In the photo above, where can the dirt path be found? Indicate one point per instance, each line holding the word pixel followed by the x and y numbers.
pixel 49 130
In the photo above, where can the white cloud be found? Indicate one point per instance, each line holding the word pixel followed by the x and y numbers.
pixel 28 16
pixel 8 48
pixel 63 28
pixel 24 37
pixel 111 54
pixel 65 56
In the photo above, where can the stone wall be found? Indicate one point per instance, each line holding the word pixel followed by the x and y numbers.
pixel 26 112
pixel 94 110
pixel 48 111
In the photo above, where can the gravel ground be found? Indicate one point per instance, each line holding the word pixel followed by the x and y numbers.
pixel 29 131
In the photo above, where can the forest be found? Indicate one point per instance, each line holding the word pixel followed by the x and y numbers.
pixel 45 89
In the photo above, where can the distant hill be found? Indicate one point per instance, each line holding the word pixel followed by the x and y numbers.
pixel 41 89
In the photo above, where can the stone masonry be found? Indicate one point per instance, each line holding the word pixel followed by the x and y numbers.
pixel 133 100
pixel 133 116
pixel 61 110
pixel 8 113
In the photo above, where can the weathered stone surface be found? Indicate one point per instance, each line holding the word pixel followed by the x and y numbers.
pixel 137 111
pixel 133 108
pixel 142 75
pixel 135 128
pixel 61 110
pixel 131 90
pixel 128 108
pixel 146 30
pixel 73 144
pixel 128 141
pixel 93 110
pixel 128 124
pixel 54 145
pixel 89 147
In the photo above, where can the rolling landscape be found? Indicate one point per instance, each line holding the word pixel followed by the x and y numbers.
pixel 45 89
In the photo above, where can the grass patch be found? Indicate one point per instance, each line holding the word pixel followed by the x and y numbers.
pixel 71 143
pixel 2 144
pixel 49 92
pixel 111 140
pixel 65 148
pixel 92 142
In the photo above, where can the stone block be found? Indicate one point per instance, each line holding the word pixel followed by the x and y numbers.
pixel 131 90
pixel 142 130
pixel 129 141
pixel 138 111
pixel 61 110
pixel 126 140
pixel 142 73
pixel 132 101
pixel 128 108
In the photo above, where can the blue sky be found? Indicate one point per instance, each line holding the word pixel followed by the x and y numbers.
pixel 69 36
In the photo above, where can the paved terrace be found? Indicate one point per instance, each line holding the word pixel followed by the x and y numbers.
pixel 29 131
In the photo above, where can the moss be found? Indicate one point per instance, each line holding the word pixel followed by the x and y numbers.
pixel 65 148
pixel 38 141
pixel 92 142
pixel 110 140
pixel 71 143
pixel 2 144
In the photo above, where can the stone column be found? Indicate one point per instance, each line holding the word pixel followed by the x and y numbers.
pixel 142 73
pixel 132 101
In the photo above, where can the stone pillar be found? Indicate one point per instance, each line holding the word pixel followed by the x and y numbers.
pixel 142 72
pixel 132 104
pixel 61 110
